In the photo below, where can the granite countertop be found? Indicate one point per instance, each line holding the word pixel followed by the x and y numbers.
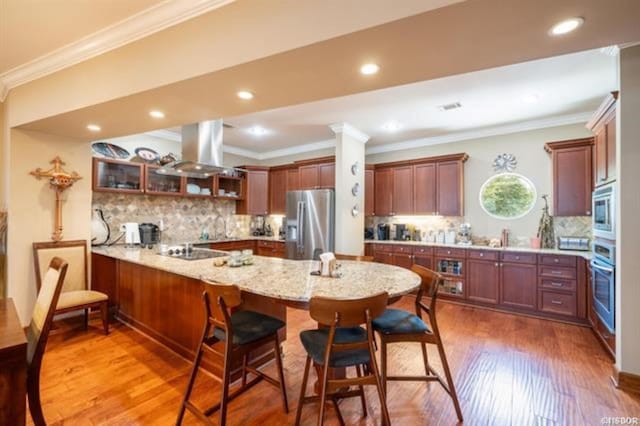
pixel 584 254
pixel 231 240
pixel 281 278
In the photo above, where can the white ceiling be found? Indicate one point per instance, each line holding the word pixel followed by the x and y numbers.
pixel 568 88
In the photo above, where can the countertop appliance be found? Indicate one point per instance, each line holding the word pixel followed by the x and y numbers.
pixel 369 234
pixel 464 234
pixel 604 211
pixel 187 252
pixel 149 234
pixel 384 231
pixel 603 270
pixel 573 243
pixel 402 233
pixel 310 222
pixel 131 233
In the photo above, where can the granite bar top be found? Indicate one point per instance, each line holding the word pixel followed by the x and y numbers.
pixel 584 254
pixel 281 278
pixel 231 240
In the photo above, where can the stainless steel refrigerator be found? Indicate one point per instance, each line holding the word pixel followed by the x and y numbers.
pixel 310 223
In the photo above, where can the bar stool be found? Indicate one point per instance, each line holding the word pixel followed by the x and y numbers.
pixel 342 343
pixel 242 332
pixel 396 325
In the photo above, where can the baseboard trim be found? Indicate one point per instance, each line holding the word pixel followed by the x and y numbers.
pixel 626 381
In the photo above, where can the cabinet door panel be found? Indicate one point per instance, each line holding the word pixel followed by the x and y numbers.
pixel 423 260
pixel 308 176
pixel 277 191
pixel 572 181
pixel 483 281
pixel 518 286
pixel 403 260
pixel 257 192
pixel 601 155
pixel 383 192
pixel 402 190
pixel 369 193
pixel 293 180
pixel 424 188
pixel 449 188
pixel 327 175
pixel 610 128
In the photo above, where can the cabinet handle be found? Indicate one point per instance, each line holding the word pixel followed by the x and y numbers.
pixel 556 302
pixel 517 257
pixel 448 251
pixel 556 272
pixel 557 284
pixel 588 212
pixel 556 260
pixel 481 254
pixel 497 265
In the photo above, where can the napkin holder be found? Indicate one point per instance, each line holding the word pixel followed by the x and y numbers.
pixel 327 264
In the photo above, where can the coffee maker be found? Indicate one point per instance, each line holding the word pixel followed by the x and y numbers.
pixel 402 233
pixel 384 231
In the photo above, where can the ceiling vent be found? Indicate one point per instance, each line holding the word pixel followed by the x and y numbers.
pixel 449 107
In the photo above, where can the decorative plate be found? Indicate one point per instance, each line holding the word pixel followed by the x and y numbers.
pixel 355 189
pixel 110 150
pixel 505 163
pixel 147 154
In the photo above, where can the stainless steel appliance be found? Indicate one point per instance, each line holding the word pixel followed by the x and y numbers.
pixel 603 269
pixel 149 235
pixel 401 232
pixel 604 212
pixel 310 223
pixel 573 243
pixel 187 252
pixel 384 231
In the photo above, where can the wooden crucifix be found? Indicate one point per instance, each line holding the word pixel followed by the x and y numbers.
pixel 59 180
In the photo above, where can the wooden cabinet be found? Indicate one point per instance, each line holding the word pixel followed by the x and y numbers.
pixel 424 188
pixel 118 176
pixel 327 176
pixel 308 176
pixel 270 248
pixel 603 125
pixel 369 192
pixel 572 176
pixel 317 176
pixel 293 179
pixel 161 184
pixel 518 286
pixel 277 191
pixel 483 279
pixel 383 199
pixel 256 196
pixel 450 188
pixel 402 200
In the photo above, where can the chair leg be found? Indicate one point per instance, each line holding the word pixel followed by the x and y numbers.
pixel 362 399
pixel 338 413
pixel 33 394
pixel 425 358
pixel 381 394
pixel 104 311
pixel 323 393
pixel 452 388
pixel 383 364
pixel 86 318
pixel 244 369
pixel 283 388
pixel 192 379
pixel 303 390
pixel 226 379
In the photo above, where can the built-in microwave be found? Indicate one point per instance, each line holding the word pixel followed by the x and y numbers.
pixel 603 212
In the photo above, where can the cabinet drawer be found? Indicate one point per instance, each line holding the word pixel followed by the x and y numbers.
pixel 558 284
pixel 560 260
pixel 384 247
pixel 403 249
pixel 557 303
pixel 450 252
pixel 483 254
pixel 513 257
pixel 558 272
pixel 424 251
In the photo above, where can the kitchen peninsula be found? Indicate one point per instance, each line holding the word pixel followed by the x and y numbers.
pixel 162 296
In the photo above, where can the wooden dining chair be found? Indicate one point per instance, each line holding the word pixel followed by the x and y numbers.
pixel 38 332
pixel 242 332
pixel 341 342
pixel 397 325
pixel 352 257
pixel 75 294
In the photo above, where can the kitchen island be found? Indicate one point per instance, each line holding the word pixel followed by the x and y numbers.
pixel 162 296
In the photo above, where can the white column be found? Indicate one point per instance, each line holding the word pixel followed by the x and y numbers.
pixel 628 214
pixel 349 151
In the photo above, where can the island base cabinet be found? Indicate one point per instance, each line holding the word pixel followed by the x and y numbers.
pixel 483 281
pixel 518 286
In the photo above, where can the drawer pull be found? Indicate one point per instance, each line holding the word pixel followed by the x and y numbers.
pixel 481 254
pixel 556 272
pixel 517 257
pixel 557 284
pixel 556 260
pixel 556 302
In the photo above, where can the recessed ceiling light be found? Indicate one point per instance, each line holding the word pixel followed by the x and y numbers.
pixel 566 26
pixel 258 131
pixel 531 98
pixel 245 94
pixel 392 126
pixel 449 107
pixel 93 128
pixel 156 114
pixel 369 69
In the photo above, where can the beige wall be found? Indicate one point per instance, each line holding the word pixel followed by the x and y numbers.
pixel 628 229
pixel 31 206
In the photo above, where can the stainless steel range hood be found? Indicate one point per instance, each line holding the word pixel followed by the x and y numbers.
pixel 201 152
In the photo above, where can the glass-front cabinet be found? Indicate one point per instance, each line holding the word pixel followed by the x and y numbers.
pixel 161 184
pixel 117 176
pixel 452 271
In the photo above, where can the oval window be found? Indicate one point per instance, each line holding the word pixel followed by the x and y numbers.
pixel 507 196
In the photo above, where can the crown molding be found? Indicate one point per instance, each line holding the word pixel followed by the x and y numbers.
pixel 349 130
pixel 300 149
pixel 165 134
pixel 228 149
pixel 482 133
pixel 144 23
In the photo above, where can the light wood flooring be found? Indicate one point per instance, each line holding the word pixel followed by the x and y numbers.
pixel 509 370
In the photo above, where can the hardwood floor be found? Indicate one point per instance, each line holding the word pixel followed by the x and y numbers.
pixel 508 370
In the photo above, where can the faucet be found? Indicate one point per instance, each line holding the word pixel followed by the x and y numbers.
pixel 215 227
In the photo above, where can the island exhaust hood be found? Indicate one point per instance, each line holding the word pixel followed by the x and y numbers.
pixel 201 152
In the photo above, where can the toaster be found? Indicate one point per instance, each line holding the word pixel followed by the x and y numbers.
pixel 573 243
